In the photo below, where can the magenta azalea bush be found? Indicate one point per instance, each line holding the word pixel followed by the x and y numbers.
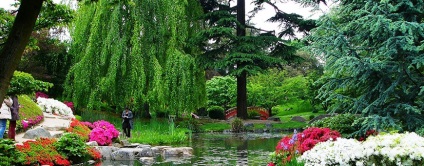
pixel 31 122
pixel 103 132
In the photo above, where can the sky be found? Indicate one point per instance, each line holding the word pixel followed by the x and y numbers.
pixel 259 20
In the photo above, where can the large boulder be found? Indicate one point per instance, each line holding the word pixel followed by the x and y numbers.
pixel 177 152
pixel 147 160
pixel 274 118
pixel 106 151
pixel 132 153
pixel 37 133
pixel 298 119
pixel 157 150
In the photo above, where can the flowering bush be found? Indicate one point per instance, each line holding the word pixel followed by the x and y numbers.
pixel 27 123
pixel 384 149
pixel 69 104
pixel 289 147
pixel 41 151
pixel 88 124
pixel 54 106
pixel 79 128
pixel 94 153
pixel 41 94
pixel 103 132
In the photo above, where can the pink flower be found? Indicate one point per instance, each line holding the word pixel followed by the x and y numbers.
pixel 103 132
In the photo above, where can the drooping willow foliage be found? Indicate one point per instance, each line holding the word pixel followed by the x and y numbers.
pixel 135 52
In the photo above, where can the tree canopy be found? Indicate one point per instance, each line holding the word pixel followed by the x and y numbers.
pixel 374 61
pixel 135 53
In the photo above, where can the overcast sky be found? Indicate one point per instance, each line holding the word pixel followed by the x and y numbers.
pixel 259 20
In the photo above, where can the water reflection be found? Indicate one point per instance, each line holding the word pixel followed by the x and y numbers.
pixel 221 149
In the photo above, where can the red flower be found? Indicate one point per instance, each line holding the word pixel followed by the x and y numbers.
pixel 271 164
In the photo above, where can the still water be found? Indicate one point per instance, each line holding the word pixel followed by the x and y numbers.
pixel 221 149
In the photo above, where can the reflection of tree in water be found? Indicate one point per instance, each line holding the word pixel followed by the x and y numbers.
pixel 242 153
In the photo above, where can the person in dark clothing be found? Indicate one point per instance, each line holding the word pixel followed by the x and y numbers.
pixel 127 122
pixel 15 116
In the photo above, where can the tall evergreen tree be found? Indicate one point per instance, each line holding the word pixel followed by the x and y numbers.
pixel 226 46
pixel 374 61
pixel 135 53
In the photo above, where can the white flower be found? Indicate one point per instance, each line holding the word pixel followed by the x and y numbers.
pixel 397 149
pixel 54 106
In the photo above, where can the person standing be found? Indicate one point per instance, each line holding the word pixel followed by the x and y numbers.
pixel 5 114
pixel 127 123
pixel 15 116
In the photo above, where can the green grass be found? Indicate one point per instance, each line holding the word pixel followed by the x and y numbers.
pixel 294 107
pixel 217 127
pixel 287 117
pixel 29 110
pixel 153 132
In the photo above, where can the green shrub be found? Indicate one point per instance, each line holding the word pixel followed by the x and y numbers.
pixel 216 112
pixel 253 114
pixel 191 124
pixel 9 155
pixel 72 146
pixel 221 91
pixel 237 125
pixel 77 117
pixel 342 123
pixel 420 131
pixel 161 114
pixel 311 117
pixel 24 83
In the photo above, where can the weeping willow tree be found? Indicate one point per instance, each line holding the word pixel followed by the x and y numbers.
pixel 135 53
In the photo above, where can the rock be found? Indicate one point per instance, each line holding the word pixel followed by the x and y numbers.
pixel 143 146
pixel 274 118
pixel 91 162
pixel 37 133
pixel 132 145
pixel 268 125
pixel 118 145
pixel 92 143
pixel 125 143
pixel 57 135
pixel 131 153
pixel 159 149
pixel 246 125
pixel 319 117
pixel 298 119
pixel 55 128
pixel 177 152
pixel 106 151
pixel 147 160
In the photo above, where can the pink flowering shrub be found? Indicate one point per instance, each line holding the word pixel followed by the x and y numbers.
pixel 88 124
pixel 41 94
pixel 103 132
pixel 31 122
pixel 289 147
pixel 69 104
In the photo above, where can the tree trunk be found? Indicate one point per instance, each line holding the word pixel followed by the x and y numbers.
pixel 241 79
pixel 18 38
pixel 146 111
pixel 242 96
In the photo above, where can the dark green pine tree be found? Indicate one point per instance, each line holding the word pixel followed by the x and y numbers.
pixel 374 62
pixel 227 46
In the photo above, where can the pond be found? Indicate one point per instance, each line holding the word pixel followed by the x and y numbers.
pixel 222 149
